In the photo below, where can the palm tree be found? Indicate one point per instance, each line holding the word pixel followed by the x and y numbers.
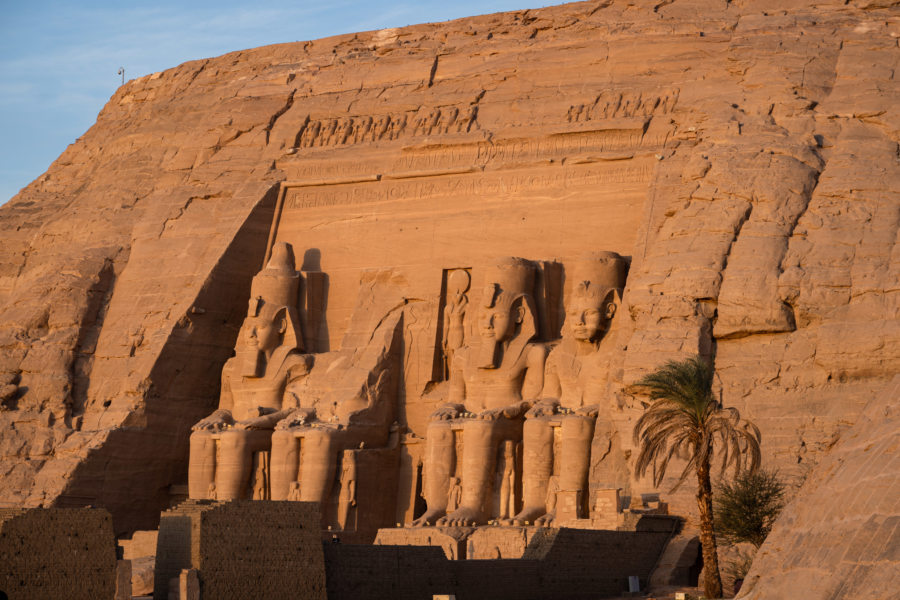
pixel 685 420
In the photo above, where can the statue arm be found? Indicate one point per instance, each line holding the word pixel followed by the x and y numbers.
pixel 589 410
pixel 226 398
pixel 552 387
pixel 533 383
pixel 221 417
pixel 266 421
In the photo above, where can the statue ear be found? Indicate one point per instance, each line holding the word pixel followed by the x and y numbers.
pixel 519 312
pixel 613 298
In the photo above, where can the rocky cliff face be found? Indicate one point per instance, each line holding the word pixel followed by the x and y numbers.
pixel 744 155
pixel 840 537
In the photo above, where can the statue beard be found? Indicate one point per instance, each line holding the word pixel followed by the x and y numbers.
pixel 490 354
pixel 253 363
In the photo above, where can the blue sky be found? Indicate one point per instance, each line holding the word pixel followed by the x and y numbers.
pixel 58 59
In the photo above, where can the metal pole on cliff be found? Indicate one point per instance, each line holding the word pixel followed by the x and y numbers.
pixel 121 72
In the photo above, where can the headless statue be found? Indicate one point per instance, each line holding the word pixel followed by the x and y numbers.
pixel 491 387
pixel 268 358
pixel 575 385
pixel 347 401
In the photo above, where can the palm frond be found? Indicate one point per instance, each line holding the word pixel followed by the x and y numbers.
pixel 685 420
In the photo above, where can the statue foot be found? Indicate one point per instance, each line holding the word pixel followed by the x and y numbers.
pixel 528 515
pixel 464 516
pixel 429 518
pixel 545 521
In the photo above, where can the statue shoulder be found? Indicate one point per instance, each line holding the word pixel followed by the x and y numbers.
pixel 537 352
pixel 296 365
pixel 229 367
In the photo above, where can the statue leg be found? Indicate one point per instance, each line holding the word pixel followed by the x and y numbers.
pixel 577 433
pixel 201 465
pixel 480 441
pixel 236 448
pixel 285 463
pixel 537 467
pixel 318 463
pixel 439 463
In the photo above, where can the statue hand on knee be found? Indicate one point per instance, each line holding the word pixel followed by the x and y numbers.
pixel 510 412
pixel 588 411
pixel 215 422
pixel 447 412
pixel 257 423
pixel 297 418
pixel 544 408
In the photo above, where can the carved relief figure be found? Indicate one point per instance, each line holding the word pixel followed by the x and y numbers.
pixel 492 384
pixel 575 384
pixel 455 494
pixel 454 314
pixel 347 500
pixel 506 484
pixel 268 358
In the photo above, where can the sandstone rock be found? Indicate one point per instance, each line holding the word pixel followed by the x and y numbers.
pixel 840 535
pixel 741 156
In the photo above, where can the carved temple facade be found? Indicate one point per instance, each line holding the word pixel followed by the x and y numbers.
pixel 399 240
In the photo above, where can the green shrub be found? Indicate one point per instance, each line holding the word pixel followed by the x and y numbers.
pixel 746 507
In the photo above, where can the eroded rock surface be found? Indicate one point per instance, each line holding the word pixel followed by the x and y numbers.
pixel 840 537
pixel 742 156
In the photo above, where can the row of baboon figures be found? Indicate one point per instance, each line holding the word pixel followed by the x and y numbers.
pixel 510 403
pixel 351 130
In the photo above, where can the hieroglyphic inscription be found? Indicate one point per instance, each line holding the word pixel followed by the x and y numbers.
pixel 610 105
pixel 481 185
pixel 522 151
pixel 484 154
pixel 341 131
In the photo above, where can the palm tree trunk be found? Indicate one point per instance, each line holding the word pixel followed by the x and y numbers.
pixel 712 580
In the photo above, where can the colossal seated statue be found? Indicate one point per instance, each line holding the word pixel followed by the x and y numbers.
pixel 492 384
pixel 268 357
pixel 348 401
pixel 575 384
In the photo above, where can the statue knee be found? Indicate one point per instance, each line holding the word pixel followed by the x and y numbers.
pixel 202 443
pixel 577 426
pixel 439 432
pixel 319 440
pixel 479 428
pixel 536 428
pixel 282 439
pixel 233 442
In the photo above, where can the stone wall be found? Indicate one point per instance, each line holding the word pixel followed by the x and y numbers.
pixel 559 563
pixel 243 549
pixel 57 553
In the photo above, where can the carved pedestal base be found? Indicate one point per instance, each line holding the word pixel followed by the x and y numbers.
pixel 452 540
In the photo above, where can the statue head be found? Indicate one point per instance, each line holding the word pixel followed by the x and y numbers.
pixel 271 320
pixel 507 308
pixel 592 303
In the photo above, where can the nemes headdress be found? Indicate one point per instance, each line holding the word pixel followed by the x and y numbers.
pixel 273 296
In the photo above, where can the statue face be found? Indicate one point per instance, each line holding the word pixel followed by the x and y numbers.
pixel 495 323
pixel 265 334
pixel 585 317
